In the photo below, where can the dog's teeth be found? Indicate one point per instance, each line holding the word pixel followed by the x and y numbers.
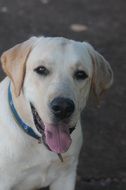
pixel 60 157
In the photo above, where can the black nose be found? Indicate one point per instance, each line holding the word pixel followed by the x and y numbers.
pixel 62 107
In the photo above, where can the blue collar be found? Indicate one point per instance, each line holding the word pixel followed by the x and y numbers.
pixel 19 121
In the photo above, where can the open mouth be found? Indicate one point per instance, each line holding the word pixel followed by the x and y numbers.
pixel 39 124
pixel 56 137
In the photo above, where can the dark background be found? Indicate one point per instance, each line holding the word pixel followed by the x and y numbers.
pixel 103 156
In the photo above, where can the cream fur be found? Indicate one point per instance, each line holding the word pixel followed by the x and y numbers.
pixel 25 164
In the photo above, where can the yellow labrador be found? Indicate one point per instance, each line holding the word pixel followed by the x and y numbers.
pixel 47 86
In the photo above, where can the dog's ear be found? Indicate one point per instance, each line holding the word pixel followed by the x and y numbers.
pixel 14 63
pixel 102 77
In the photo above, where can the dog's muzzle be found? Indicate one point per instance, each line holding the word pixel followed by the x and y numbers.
pixel 55 135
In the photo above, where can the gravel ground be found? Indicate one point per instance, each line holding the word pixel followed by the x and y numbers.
pixel 103 24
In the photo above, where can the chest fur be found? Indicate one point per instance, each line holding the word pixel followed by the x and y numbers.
pixel 37 169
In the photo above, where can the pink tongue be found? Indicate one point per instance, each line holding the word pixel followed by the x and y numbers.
pixel 57 137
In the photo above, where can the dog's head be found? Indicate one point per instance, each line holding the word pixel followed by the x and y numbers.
pixel 55 76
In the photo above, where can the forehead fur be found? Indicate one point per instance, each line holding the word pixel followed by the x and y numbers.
pixel 59 42
pixel 60 50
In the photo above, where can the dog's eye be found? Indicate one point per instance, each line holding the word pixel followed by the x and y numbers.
pixel 80 75
pixel 41 70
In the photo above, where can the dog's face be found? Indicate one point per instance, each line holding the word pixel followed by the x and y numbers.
pixel 58 79
pixel 56 76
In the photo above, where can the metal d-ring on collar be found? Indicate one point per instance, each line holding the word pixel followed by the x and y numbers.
pixel 19 121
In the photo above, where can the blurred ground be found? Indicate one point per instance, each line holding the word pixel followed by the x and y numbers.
pixel 103 24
